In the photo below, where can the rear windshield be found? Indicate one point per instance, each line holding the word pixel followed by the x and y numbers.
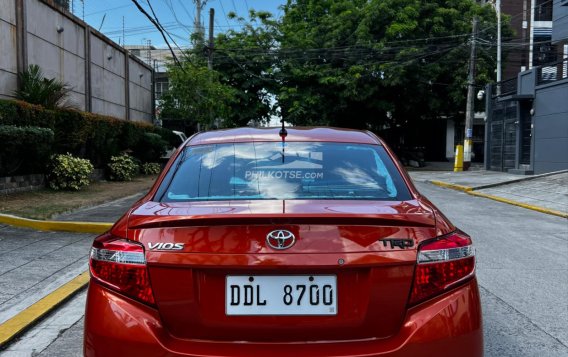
pixel 273 170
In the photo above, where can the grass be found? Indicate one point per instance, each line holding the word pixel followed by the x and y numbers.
pixel 46 203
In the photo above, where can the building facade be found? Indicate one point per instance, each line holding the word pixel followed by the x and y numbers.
pixel 159 59
pixel 534 22
pixel 527 116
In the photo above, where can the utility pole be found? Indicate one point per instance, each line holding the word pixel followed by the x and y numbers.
pixel 499 69
pixel 469 111
pixel 211 39
pixel 199 4
pixel 210 47
pixel 531 34
pixel 123 38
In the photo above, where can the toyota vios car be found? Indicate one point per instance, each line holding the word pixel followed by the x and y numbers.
pixel 263 242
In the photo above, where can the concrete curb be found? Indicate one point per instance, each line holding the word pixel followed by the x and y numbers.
pixel 472 191
pixel 453 186
pixel 28 317
pixel 62 226
pixel 520 204
pixel 522 179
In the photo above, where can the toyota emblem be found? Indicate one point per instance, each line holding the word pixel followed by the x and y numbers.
pixel 280 239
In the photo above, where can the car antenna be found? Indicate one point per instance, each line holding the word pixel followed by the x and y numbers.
pixel 283 134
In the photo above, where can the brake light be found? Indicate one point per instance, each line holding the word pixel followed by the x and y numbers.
pixel 120 264
pixel 442 264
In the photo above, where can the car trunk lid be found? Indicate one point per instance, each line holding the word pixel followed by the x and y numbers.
pixel 350 240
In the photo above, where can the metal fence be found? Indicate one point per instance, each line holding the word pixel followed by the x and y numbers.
pixel 506 87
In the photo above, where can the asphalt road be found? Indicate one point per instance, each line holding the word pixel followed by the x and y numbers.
pixel 522 271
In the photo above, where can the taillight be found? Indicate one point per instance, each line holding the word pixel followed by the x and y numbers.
pixel 442 263
pixel 120 264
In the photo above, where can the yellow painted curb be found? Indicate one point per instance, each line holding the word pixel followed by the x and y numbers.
pixel 17 324
pixel 78 227
pixel 471 191
pixel 452 186
pixel 520 204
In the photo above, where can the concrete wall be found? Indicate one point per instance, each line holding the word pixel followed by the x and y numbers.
pixel 60 55
pixel 526 82
pixel 560 21
pixel 108 78
pixel 8 59
pixel 551 127
pixel 103 76
pixel 140 88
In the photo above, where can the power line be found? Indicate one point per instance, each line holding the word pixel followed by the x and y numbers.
pixel 106 10
pixel 224 13
pixel 141 9
pixel 169 5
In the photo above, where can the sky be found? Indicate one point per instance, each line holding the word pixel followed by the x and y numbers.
pixel 177 16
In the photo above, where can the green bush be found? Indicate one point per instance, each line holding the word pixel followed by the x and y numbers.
pixel 69 173
pixel 122 168
pixel 150 147
pixel 104 140
pixel 24 149
pixel 92 136
pixel 151 168
pixel 168 135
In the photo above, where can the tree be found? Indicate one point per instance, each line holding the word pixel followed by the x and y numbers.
pixel 196 94
pixel 245 61
pixel 35 88
pixel 371 64
pixel 238 90
pixel 379 63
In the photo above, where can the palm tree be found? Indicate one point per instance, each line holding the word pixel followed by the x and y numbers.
pixel 37 89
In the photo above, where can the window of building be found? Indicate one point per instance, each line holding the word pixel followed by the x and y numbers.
pixel 544 51
pixel 543 10
pixel 161 88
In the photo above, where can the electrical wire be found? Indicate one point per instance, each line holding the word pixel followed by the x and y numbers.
pixel 159 28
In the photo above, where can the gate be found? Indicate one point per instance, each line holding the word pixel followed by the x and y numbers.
pixel 503 136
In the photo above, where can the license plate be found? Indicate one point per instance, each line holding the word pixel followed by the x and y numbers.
pixel 281 295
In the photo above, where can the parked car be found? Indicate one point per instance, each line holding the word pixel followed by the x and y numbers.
pixel 297 242
pixel 172 149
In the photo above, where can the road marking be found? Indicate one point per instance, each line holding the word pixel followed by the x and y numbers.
pixel 471 191
pixel 25 319
pixel 62 226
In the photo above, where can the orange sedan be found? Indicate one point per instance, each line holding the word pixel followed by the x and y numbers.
pixel 283 242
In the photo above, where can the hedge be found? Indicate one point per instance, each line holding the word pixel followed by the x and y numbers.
pixel 88 135
pixel 24 149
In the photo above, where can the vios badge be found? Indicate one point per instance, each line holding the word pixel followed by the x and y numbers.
pixel 280 239
pixel 165 246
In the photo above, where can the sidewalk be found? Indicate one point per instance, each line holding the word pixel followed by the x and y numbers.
pixel 546 193
pixel 34 264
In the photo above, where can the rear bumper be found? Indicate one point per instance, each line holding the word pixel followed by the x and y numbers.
pixel 449 325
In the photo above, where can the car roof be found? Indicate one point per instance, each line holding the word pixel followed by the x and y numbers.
pixel 310 134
